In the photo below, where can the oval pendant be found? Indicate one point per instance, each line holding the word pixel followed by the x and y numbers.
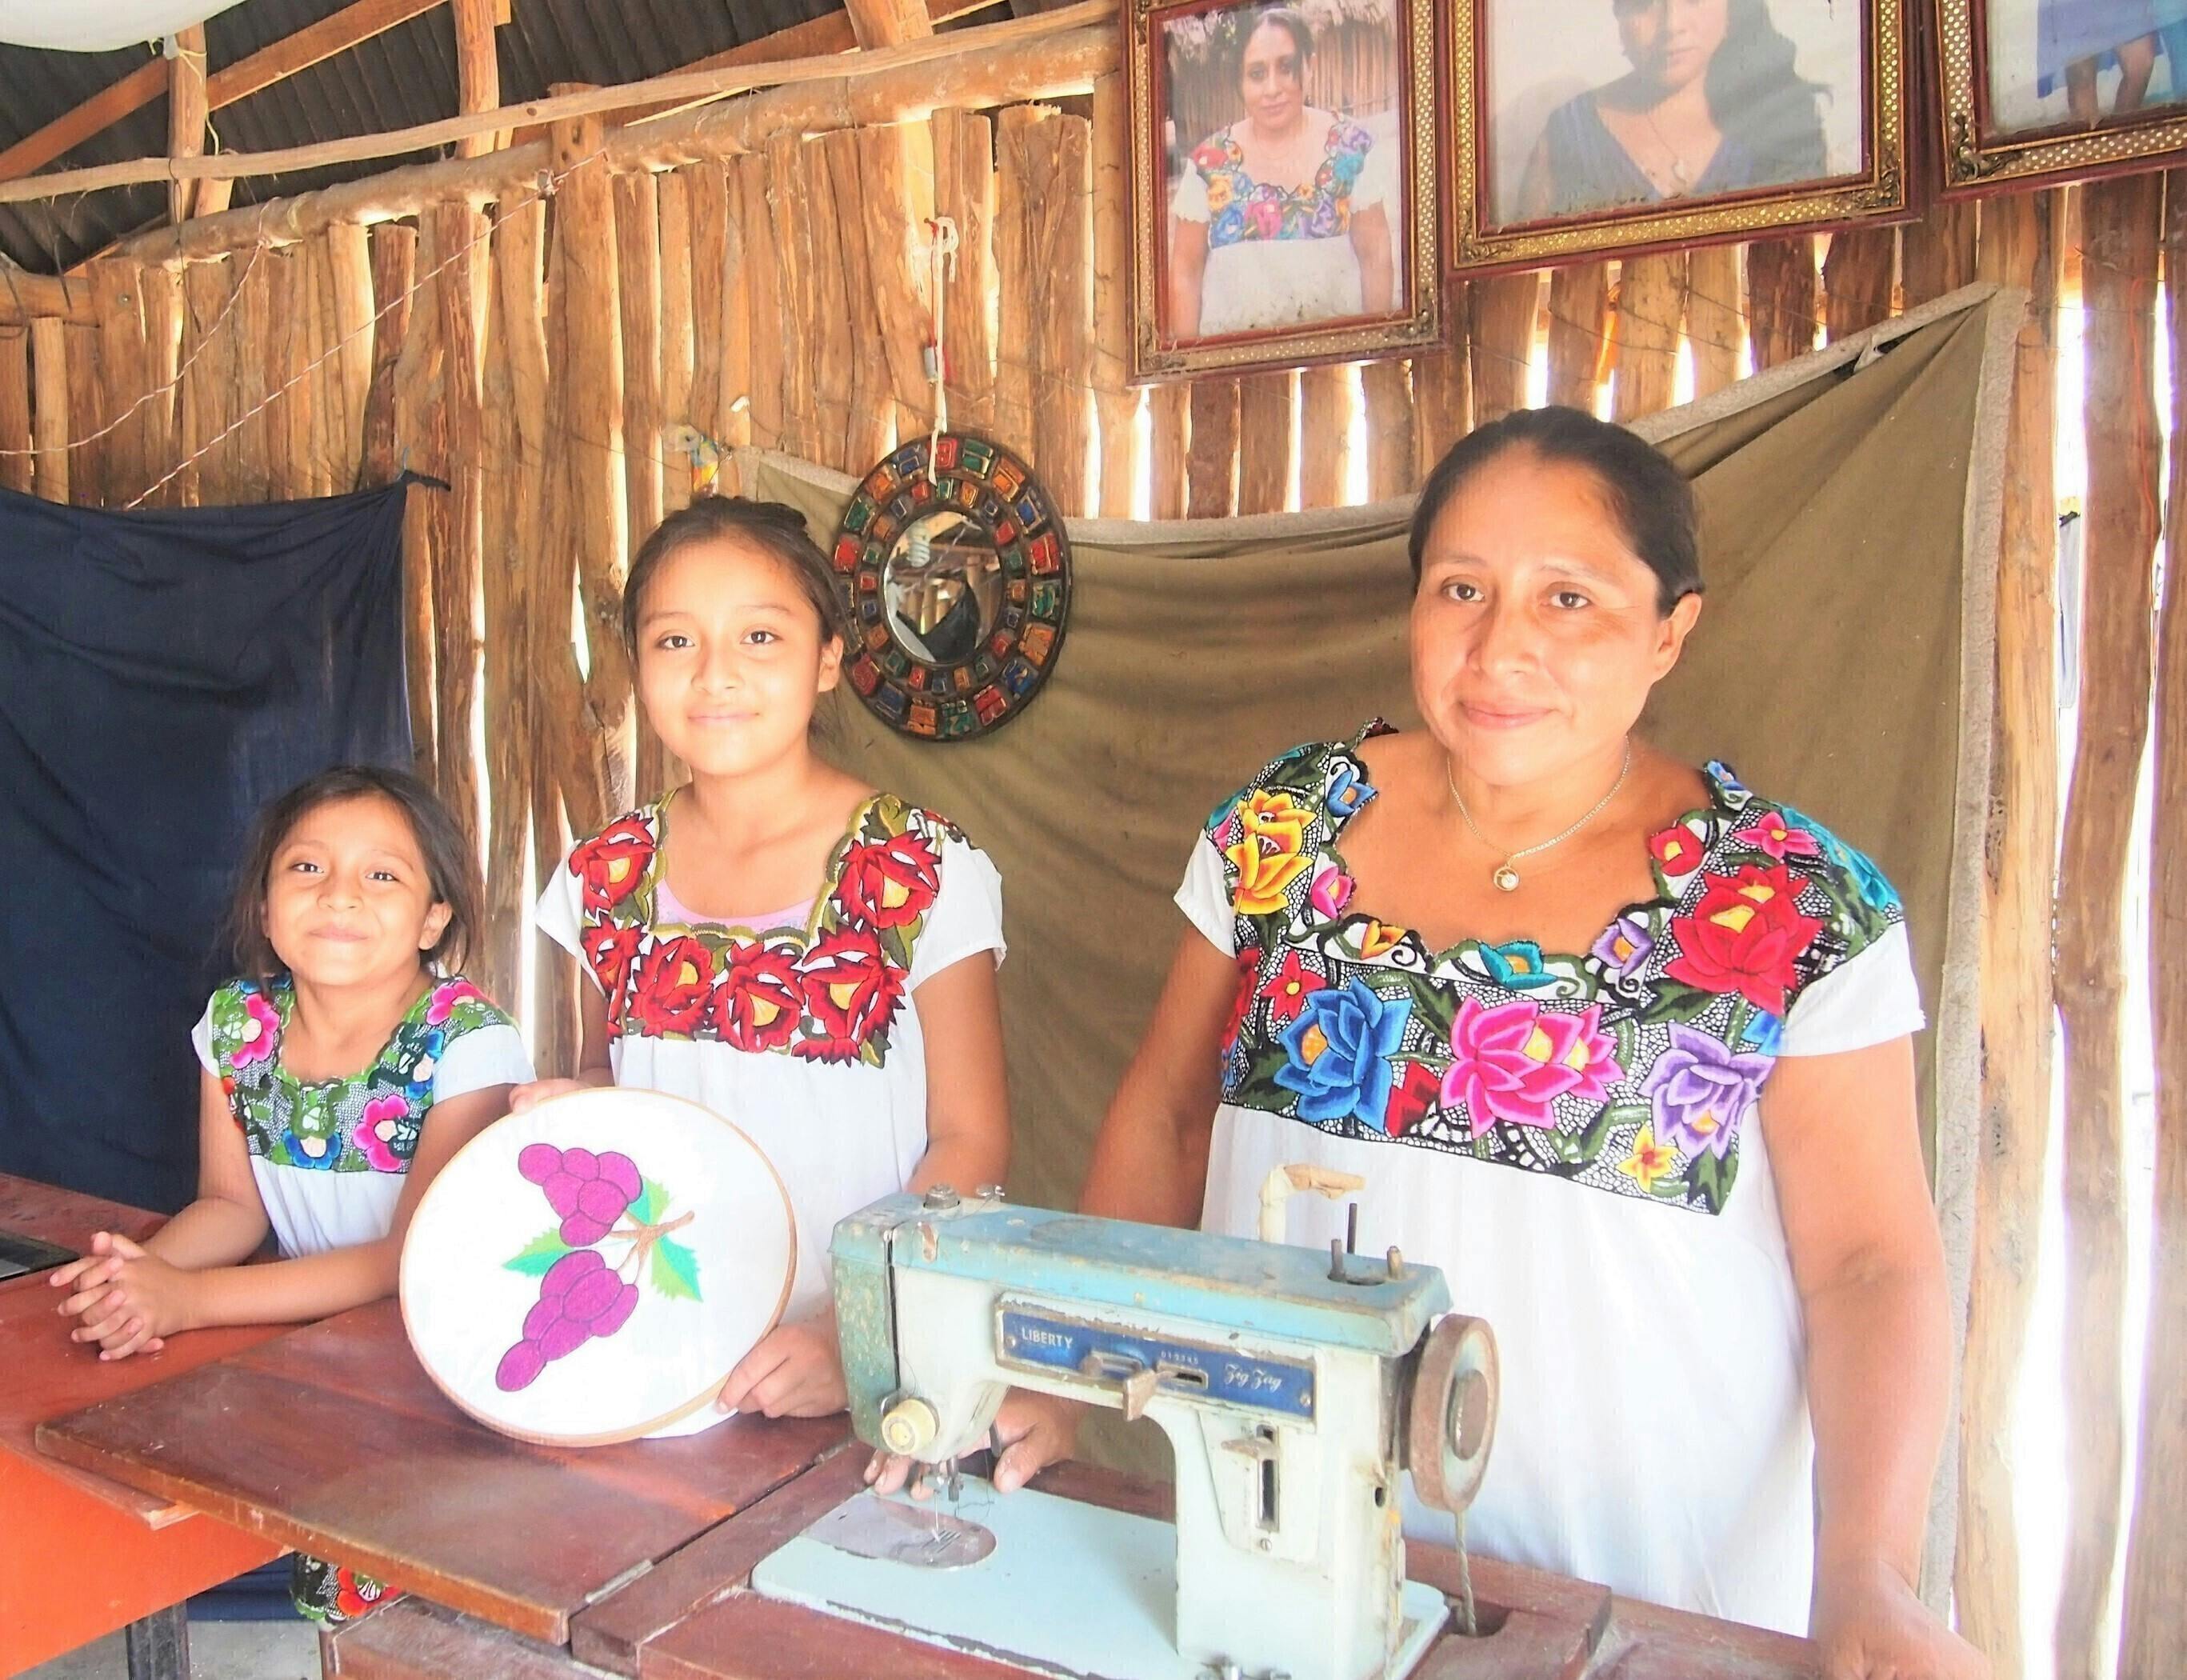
pixel 1506 878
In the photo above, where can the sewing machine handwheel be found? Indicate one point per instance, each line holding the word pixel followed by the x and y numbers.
pixel 1453 1412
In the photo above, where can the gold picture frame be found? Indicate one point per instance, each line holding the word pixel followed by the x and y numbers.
pixel 1491 229
pixel 1162 105
pixel 1990 136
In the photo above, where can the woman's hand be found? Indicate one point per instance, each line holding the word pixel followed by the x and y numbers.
pixel 796 1371
pixel 1031 1432
pixel 136 1300
pixel 523 1097
pixel 1872 1626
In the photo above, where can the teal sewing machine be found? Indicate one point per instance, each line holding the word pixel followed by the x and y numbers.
pixel 1293 1386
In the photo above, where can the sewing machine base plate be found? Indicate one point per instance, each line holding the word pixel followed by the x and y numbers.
pixel 1069 1590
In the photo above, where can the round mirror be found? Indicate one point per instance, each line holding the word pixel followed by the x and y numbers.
pixel 955 571
pixel 943 587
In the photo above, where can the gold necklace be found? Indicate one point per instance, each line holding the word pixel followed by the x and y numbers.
pixel 1505 878
pixel 1677 163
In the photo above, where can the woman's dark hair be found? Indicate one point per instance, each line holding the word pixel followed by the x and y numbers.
pixel 451 866
pixel 1652 503
pixel 1754 93
pixel 773 527
pixel 1285 18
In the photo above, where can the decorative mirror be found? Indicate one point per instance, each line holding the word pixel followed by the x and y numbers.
pixel 957 580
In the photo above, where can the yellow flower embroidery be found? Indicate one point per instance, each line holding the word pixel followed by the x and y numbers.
pixel 1377 937
pixel 1649 1161
pixel 1271 854
pixel 1218 191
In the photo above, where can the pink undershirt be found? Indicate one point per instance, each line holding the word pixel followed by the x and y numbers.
pixel 669 908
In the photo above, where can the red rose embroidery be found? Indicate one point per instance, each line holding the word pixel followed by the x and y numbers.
pixel 1411 1096
pixel 672 982
pixel 886 883
pixel 608 951
pixel 759 1002
pixel 1241 1003
pixel 612 863
pixel 851 993
pixel 1744 936
pixel 1676 849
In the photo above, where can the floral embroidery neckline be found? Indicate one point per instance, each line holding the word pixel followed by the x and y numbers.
pixel 1703 821
pixel 831 875
pixel 283 993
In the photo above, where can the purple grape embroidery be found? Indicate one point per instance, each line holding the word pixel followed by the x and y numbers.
pixel 581 1297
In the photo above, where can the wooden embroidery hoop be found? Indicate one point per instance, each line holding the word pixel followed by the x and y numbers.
pixel 608 1118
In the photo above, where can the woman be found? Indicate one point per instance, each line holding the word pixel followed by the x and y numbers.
pixel 1313 182
pixel 1711 105
pixel 1623 1047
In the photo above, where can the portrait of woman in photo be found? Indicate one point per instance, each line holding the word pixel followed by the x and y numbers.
pixel 1284 215
pixel 1713 103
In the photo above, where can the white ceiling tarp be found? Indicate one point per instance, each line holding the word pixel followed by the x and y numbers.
pixel 99 25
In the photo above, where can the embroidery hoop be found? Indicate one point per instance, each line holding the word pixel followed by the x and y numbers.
pixel 992 490
pixel 463 1304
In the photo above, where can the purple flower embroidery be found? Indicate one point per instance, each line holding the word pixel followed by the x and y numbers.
pixel 1703 1092
pixel 1625 945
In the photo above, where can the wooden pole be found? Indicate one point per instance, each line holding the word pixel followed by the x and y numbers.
pixel 897 172
pixel 1386 397
pixel 710 241
pixel 478 71
pixel 1504 310
pixel 328 423
pixel 49 411
pixel 349 258
pixel 837 167
pixel 417 375
pixel 1059 230
pixel 186 116
pixel 120 380
pixel 1781 299
pixel 1651 308
pixel 1579 328
pixel 394 265
pixel 208 388
pixel 762 300
pixel 1715 321
pixel 87 452
pixel 637 282
pixel 834 334
pixel 795 329
pixel 1115 405
pixel 1325 453
pixel 965 191
pixel 678 350
pixel 2019 249
pixel 16 457
pixel 162 292
pixel 889 22
pixel 506 702
pixel 248 362
pixel 1443 386
pixel 1268 407
pixel 1936 253
pixel 1169 411
pixel 1857 280
pixel 457 638
pixel 1017 319
pixel 591 438
pixel 2154 1619
pixel 2119 266
pixel 1212 462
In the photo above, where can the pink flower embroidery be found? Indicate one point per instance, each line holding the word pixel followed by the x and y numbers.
pixel 446 997
pixel 1331 892
pixel 261 1031
pixel 1772 833
pixel 378 1128
pixel 1512 1061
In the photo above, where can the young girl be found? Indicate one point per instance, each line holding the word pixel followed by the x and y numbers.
pixel 344 1066
pixel 774 939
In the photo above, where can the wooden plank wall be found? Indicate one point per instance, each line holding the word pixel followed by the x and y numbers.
pixel 544 363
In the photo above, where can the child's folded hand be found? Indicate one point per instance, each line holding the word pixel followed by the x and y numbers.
pixel 796 1371
pixel 146 1300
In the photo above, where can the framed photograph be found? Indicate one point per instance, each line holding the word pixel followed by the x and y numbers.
pixel 2059 89
pixel 1283 192
pixel 1594 126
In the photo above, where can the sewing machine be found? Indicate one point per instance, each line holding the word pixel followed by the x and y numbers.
pixel 1293 1387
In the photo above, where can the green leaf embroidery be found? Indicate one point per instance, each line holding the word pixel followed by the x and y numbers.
pixel 1709 1180
pixel 533 1259
pixel 675 1271
pixel 651 1199
pixel 1676 1002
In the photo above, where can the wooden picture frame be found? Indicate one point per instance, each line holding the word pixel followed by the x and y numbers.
pixel 1285 277
pixel 2027 90
pixel 1555 151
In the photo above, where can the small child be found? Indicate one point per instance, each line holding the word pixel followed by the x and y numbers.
pixel 342 1070
pixel 775 940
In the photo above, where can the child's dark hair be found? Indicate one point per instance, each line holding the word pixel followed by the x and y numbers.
pixel 452 866
pixel 773 527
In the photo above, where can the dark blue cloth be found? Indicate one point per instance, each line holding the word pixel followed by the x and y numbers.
pixel 162 675
pixel 1589 170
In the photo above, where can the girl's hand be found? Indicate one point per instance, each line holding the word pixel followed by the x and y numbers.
pixel 1031 1432
pixel 1871 1626
pixel 90 1275
pixel 796 1371
pixel 539 1090
pixel 147 1300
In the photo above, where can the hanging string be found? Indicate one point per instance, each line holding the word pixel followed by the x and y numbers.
pixel 942 241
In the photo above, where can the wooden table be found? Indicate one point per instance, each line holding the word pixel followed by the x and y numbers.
pixel 543 1564
pixel 80 1554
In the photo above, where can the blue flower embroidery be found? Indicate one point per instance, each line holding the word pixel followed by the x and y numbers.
pixel 1340 1050
pixel 1875 886
pixel 1765 1032
pixel 1346 792
pixel 1517 965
